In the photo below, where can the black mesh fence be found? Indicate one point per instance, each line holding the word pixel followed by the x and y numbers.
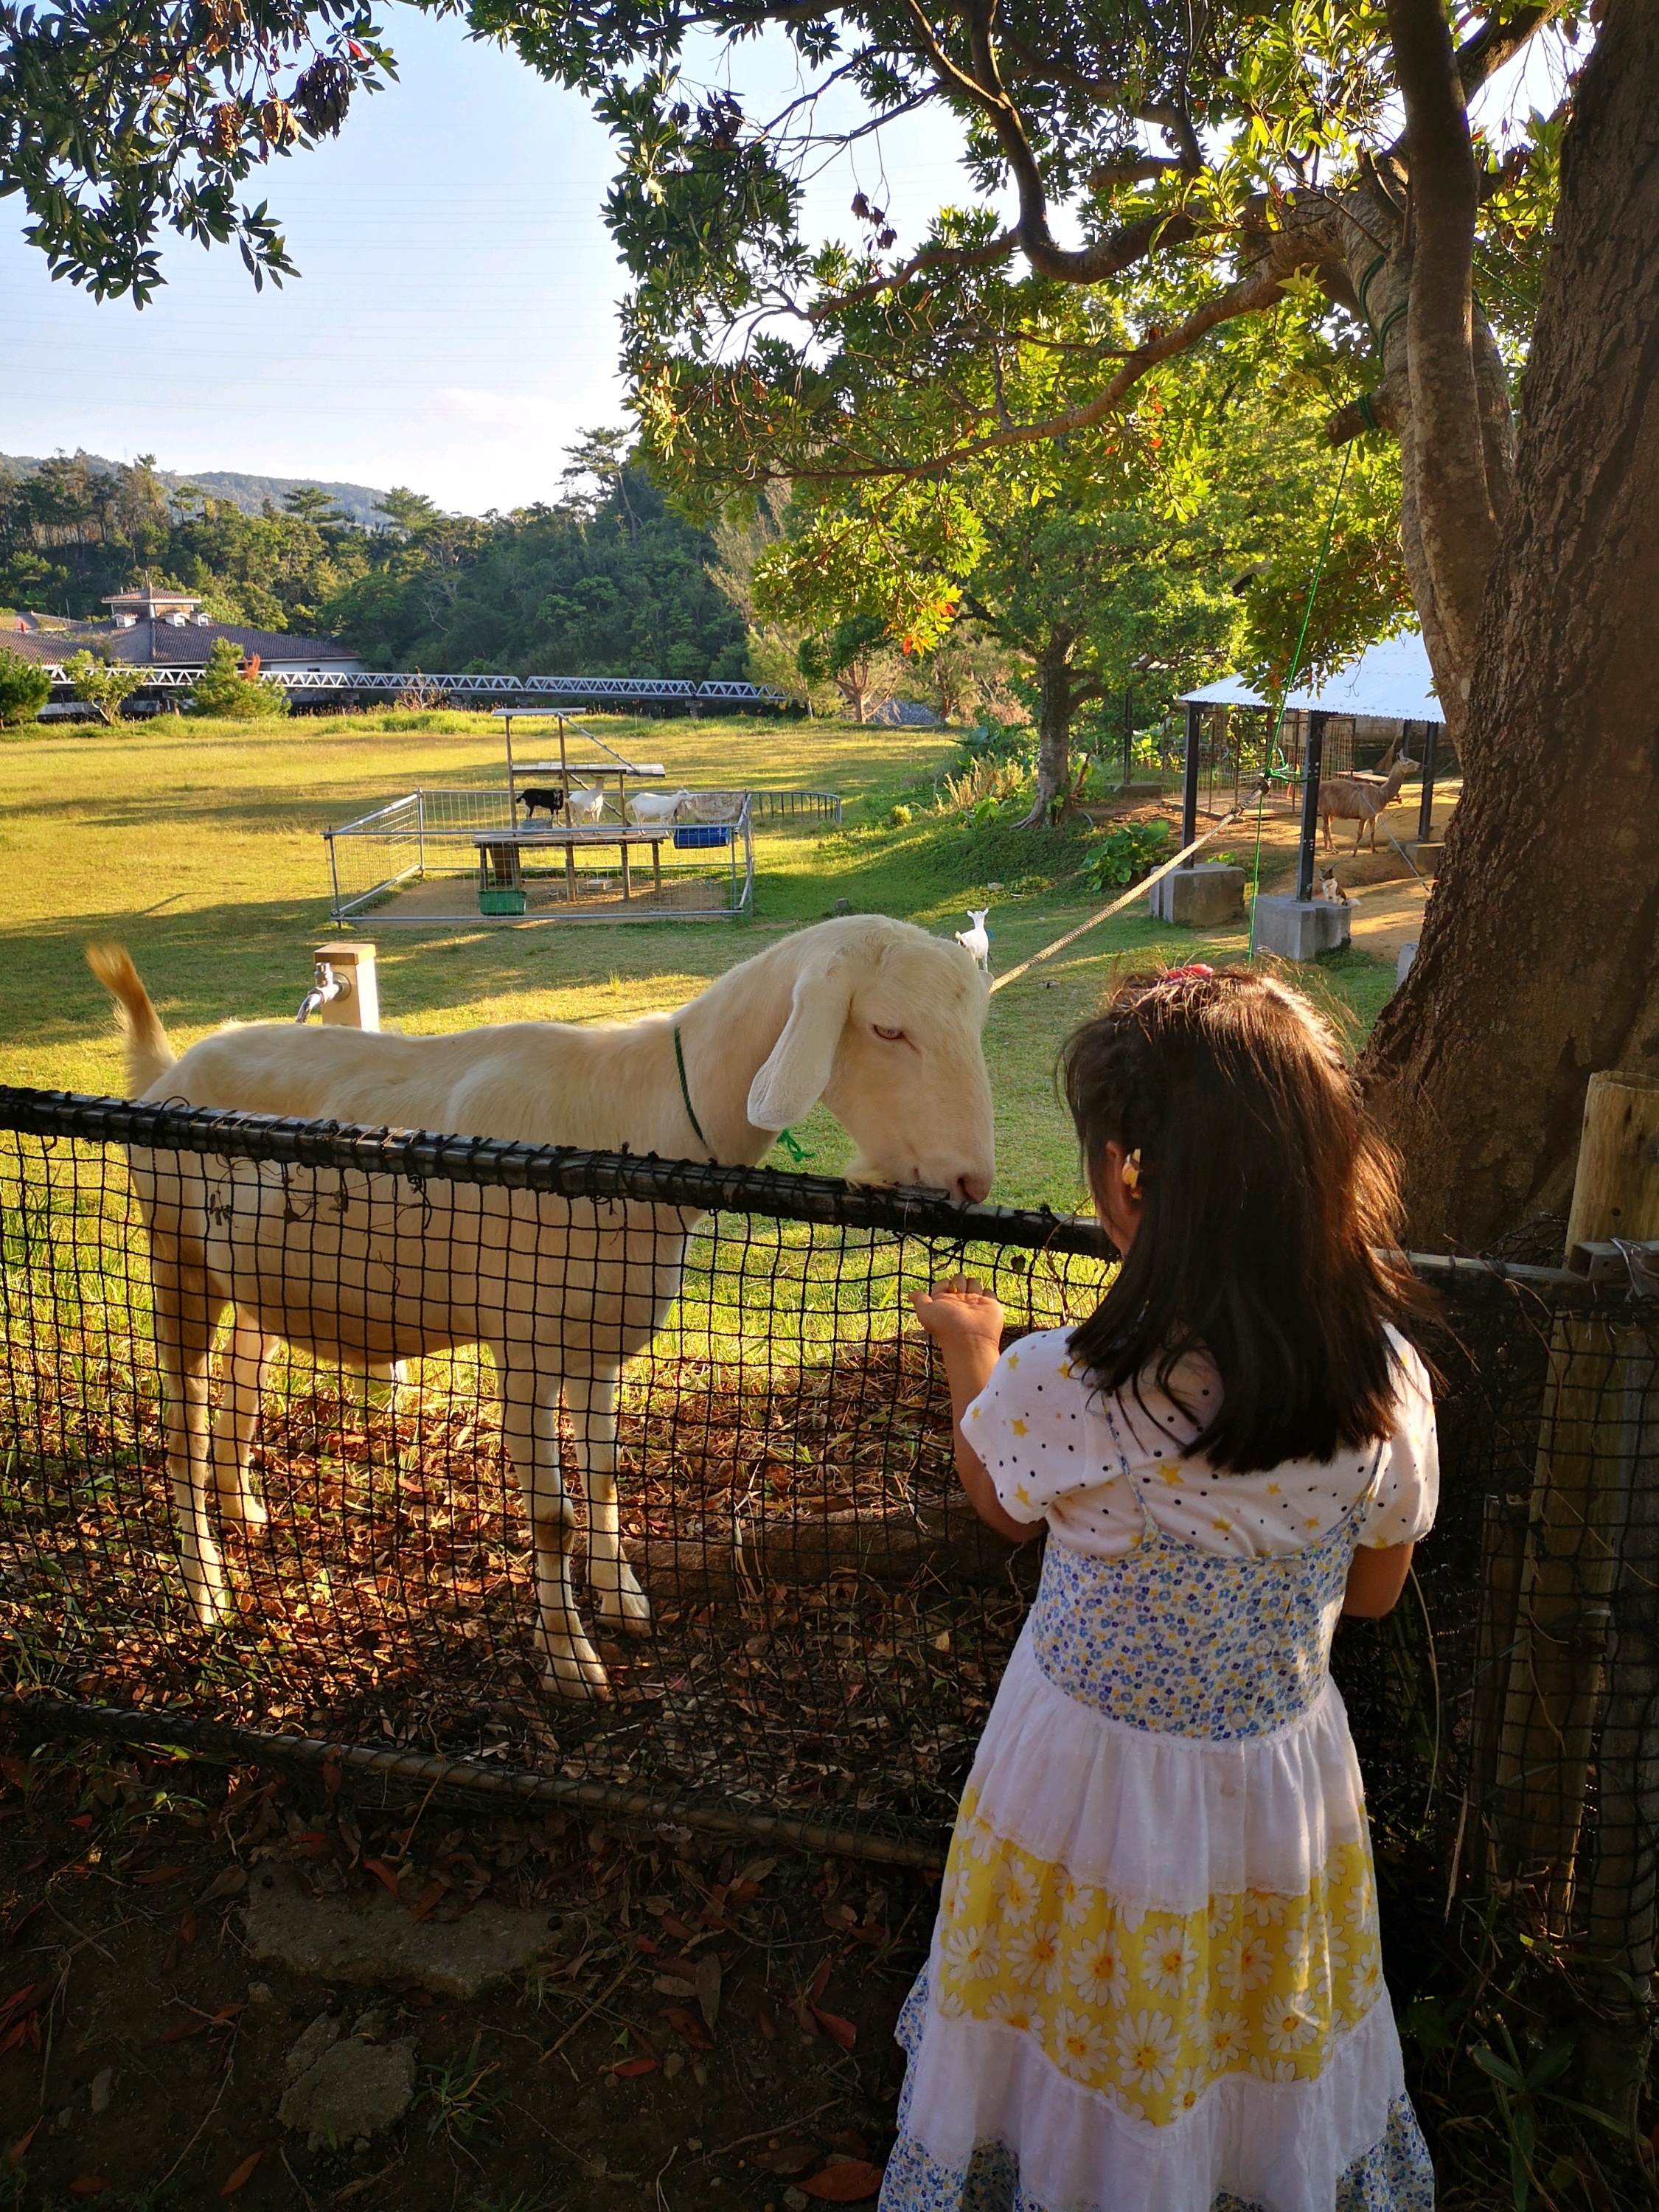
pixel 782 1605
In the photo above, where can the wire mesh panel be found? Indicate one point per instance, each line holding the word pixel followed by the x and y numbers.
pixel 380 1555
pixel 443 856
pixel 316 1428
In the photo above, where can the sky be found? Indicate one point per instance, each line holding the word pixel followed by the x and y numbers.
pixel 453 326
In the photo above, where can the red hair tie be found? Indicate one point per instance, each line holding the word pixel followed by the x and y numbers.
pixel 1197 968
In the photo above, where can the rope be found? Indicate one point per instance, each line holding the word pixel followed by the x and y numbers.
pixel 1118 904
pixel 1285 688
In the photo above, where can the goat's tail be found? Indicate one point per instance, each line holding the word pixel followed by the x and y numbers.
pixel 148 1052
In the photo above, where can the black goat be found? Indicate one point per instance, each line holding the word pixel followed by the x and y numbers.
pixel 551 798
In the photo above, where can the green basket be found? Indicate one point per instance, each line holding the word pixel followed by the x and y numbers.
pixel 500 901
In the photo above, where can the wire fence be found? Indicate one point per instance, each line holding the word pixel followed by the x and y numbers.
pixel 448 856
pixel 403 1559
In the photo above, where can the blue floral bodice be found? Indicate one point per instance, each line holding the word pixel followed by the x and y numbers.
pixel 1198 1643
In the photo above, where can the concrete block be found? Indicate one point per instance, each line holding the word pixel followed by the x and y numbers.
pixel 1206 896
pixel 1424 854
pixel 1402 967
pixel 1297 929
pixel 371 1937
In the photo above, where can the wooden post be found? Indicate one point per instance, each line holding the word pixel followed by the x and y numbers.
pixel 1591 1513
pixel 1128 735
pixel 1304 866
pixel 358 1007
pixel 1426 806
pixel 1189 775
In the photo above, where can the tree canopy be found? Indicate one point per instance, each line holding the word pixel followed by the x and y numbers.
pixel 608 582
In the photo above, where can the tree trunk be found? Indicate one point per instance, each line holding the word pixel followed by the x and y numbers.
pixel 1054 727
pixel 1538 962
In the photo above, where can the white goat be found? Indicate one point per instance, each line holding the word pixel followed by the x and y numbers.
pixel 660 805
pixel 877 1018
pixel 581 806
pixel 977 940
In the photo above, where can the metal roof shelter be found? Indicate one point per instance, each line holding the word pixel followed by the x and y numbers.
pixel 1389 683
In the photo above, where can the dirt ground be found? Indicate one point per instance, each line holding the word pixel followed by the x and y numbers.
pixel 1388 896
pixel 143 2053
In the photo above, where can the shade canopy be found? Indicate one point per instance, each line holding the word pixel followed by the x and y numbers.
pixel 1390 683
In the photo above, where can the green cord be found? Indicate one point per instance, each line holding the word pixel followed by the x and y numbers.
pixel 1296 663
pixel 685 1093
pixel 790 1143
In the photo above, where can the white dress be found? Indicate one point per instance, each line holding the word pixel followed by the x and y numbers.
pixel 1155 1982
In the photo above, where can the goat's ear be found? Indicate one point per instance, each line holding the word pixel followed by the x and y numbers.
pixel 792 1079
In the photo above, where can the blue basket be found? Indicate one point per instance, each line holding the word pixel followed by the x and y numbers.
pixel 697 836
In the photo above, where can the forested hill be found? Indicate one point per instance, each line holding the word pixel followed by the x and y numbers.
pixel 359 503
pixel 608 582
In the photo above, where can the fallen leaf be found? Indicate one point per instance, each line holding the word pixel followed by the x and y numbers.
pixel 793 2158
pixel 849 2183
pixel 688 2025
pixel 25 2030
pixel 629 2070
pixel 431 1896
pixel 843 2030
pixel 187 1925
pixel 854 2145
pixel 242 2175
pixel 768 2019
pixel 331 1778
pixel 314 1844
pixel 672 1926
pixel 16 2155
pixel 155 1876
pixel 756 1871
pixel 23 2000
pixel 803 2017
pixel 708 1987
pixel 820 1981
pixel 644 1943
pixel 89 2184
pixel 673 1985
pixel 170 1958
pixel 231 1883
pixel 16 1772
pixel 82 1820
pixel 382 1873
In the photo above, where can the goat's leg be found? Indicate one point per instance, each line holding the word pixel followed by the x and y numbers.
pixel 184 1340
pixel 530 1414
pixel 1328 832
pixel 246 1359
pixel 591 1399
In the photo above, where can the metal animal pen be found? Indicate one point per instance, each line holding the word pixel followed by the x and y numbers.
pixel 432 838
pixel 830 1620
pixel 1233 745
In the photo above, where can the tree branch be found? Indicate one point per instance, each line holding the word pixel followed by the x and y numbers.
pixel 1459 529
pixel 1258 293
pixel 930 257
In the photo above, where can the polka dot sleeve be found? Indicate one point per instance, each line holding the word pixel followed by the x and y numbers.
pixel 1026 1426
pixel 1408 1486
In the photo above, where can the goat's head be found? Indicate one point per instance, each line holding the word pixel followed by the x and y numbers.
pixel 885 1025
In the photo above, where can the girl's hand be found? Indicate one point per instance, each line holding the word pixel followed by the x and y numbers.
pixel 960 1314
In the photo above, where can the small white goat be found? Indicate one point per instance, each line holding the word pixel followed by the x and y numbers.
pixel 977 940
pixel 581 806
pixel 878 1019
pixel 660 805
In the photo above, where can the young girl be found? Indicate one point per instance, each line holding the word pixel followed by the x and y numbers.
pixel 1155 1984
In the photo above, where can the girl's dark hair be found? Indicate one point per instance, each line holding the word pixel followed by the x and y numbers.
pixel 1272 1208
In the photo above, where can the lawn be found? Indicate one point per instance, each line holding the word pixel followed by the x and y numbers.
pixel 198 845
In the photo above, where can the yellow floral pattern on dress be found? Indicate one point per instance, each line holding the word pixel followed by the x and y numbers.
pixel 1149 2008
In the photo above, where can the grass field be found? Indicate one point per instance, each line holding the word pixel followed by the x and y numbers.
pixel 198 844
